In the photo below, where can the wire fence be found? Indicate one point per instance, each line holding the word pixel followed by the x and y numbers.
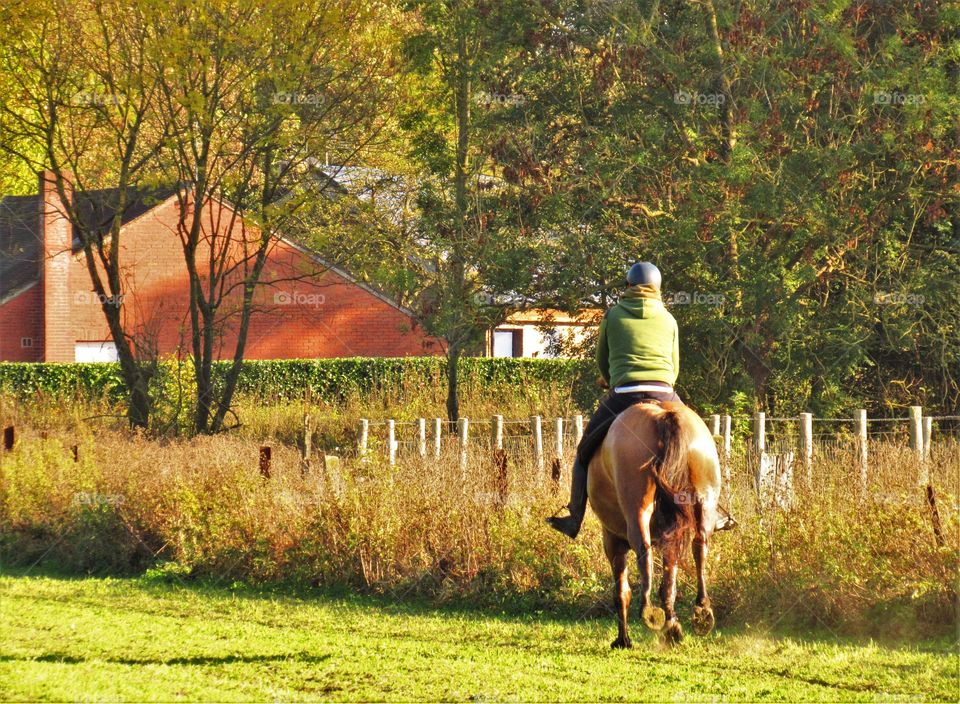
pixel 802 440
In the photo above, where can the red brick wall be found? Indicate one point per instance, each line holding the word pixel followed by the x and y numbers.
pixel 22 316
pixel 302 311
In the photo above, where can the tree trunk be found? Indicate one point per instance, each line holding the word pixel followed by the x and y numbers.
pixel 453 400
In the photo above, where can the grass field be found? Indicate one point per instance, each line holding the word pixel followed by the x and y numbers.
pixel 141 639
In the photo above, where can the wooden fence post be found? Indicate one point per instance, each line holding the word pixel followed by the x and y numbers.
pixel 727 437
pixel 727 447
pixel 437 434
pixel 464 434
pixel 760 432
pixel 422 437
pixel 307 458
pixel 265 455
pixel 364 434
pixel 499 461
pixel 391 442
pixel 916 442
pixel 555 466
pixel 496 435
pixel 927 434
pixel 537 427
pixel 806 446
pixel 9 436
pixel 578 428
pixel 715 425
pixel 862 446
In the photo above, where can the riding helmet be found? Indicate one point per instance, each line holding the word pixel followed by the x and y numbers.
pixel 644 273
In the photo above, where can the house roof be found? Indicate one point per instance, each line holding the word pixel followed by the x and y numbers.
pixel 21 245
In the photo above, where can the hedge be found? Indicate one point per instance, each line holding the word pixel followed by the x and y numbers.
pixel 328 379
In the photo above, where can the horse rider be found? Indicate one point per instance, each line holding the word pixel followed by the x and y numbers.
pixel 638 353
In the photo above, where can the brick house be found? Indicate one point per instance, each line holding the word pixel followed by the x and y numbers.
pixel 304 306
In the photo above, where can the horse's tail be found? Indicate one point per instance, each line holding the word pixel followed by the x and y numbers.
pixel 675 492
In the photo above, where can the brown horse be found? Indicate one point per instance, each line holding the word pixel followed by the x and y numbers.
pixel 656 481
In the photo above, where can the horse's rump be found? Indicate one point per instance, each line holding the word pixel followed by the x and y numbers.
pixel 676 495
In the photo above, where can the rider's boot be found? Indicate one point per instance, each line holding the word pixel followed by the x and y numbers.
pixel 570 525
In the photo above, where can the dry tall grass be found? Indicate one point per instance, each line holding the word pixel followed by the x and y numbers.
pixel 840 559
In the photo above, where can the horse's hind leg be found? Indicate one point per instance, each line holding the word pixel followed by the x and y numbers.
pixel 639 534
pixel 703 619
pixel 672 631
pixel 616 549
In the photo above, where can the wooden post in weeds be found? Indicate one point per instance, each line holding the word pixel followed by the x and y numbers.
pixel 307 458
pixel 437 435
pixel 363 437
pixel 727 437
pixel 76 453
pixel 806 446
pixel 578 428
pixel 499 460
pixel 555 465
pixel 760 432
pixel 422 437
pixel 463 428
pixel 537 428
pixel 916 442
pixel 727 447
pixel 935 516
pixel 862 447
pixel 265 455
pixel 715 425
pixel 760 440
pixel 927 434
pixel 391 442
pixel 9 436
pixel 496 433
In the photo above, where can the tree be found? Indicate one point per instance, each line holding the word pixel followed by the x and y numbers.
pixel 253 93
pixel 474 241
pixel 78 100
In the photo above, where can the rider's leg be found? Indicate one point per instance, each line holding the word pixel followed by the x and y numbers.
pixel 610 407
pixel 570 525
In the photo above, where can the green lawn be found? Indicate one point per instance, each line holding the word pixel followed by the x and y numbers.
pixel 137 639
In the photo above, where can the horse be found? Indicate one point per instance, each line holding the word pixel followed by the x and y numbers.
pixel 655 481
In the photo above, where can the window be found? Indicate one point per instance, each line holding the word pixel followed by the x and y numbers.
pixel 104 351
pixel 26 342
pixel 508 343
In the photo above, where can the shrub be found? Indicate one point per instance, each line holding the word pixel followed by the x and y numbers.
pixel 323 379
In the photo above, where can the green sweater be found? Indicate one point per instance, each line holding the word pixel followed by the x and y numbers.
pixel 638 340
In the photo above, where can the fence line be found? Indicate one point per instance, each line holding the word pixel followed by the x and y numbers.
pixel 773 442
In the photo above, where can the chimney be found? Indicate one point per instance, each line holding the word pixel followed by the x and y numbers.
pixel 56 235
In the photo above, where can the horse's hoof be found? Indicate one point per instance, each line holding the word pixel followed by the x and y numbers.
pixel 621 644
pixel 672 633
pixel 703 620
pixel 654 617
